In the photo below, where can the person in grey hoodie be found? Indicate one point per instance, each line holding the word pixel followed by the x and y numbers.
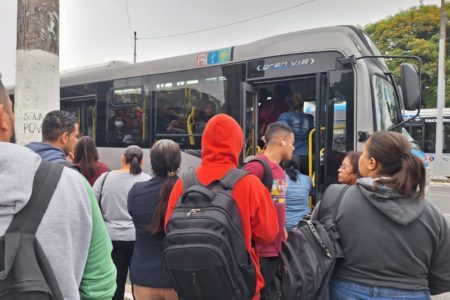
pixel 396 244
pixel 60 131
pixel 72 233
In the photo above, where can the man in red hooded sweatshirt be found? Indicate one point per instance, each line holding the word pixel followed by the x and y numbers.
pixel 222 144
pixel 280 146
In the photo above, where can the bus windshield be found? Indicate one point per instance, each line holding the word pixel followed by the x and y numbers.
pixel 386 104
pixel 414 144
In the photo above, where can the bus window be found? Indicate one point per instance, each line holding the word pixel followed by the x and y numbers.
pixel 86 113
pixel 127 96
pixel 430 136
pixel 184 104
pixel 341 94
pixel 417 134
pixel 340 126
pixel 126 122
pixel 446 144
pixel 90 120
pixel 386 106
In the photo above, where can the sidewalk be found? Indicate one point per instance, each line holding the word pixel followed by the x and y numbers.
pixel 442 297
pixel 440 182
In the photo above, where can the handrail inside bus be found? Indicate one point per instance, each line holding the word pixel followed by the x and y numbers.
pixel 310 150
pixel 144 125
pixel 190 126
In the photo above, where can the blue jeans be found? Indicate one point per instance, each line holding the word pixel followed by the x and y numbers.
pixel 340 290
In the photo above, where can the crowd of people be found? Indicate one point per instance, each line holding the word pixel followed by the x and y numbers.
pixel 106 224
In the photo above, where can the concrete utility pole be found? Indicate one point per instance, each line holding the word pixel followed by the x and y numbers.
pixel 37 66
pixel 441 93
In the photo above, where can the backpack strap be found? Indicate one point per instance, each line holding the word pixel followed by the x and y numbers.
pixel 101 190
pixel 44 184
pixel 329 205
pixel 232 177
pixel 189 179
pixel 268 177
pixel 70 165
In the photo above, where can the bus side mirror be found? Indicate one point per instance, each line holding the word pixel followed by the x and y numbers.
pixel 410 84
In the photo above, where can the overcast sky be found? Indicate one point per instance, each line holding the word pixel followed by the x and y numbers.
pixel 98 31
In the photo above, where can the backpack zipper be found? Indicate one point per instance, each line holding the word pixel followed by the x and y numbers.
pixel 193 212
pixel 216 208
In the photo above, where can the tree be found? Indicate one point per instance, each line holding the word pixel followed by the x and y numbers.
pixel 415 32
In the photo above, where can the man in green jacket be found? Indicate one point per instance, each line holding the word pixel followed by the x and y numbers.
pixel 72 233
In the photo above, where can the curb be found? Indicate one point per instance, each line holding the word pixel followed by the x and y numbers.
pixel 439 183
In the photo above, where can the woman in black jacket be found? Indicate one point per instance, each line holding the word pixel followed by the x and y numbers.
pixel 147 204
pixel 396 243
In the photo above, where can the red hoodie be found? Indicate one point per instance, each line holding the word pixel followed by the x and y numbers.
pixel 221 146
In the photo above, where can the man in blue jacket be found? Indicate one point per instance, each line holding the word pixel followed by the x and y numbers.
pixel 60 131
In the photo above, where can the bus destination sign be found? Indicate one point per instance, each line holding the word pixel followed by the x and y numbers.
pixel 290 65
pixel 215 57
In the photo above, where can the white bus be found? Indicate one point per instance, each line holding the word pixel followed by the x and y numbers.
pixel 423 130
pixel 122 104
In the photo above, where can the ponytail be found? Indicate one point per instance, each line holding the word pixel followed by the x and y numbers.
pixel 400 169
pixel 410 178
pixel 292 174
pixel 133 156
pixel 135 167
pixel 157 224
pixel 292 167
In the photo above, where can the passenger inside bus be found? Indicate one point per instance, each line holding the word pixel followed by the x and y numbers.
pixel 301 124
pixel 125 125
pixel 182 114
pixel 273 108
pixel 168 119
pixel 205 113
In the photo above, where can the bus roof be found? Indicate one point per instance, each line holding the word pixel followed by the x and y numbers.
pixel 348 40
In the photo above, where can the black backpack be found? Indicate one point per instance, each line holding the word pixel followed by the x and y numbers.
pixel 311 250
pixel 25 271
pixel 204 250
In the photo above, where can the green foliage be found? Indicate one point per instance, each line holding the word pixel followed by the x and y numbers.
pixel 415 32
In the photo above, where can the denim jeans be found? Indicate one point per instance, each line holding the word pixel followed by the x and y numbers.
pixel 340 290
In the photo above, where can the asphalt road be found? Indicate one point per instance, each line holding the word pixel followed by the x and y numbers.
pixel 439 194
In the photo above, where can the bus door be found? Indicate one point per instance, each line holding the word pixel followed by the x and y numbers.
pixel 317 143
pixel 250 119
pixel 333 134
pixel 85 110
